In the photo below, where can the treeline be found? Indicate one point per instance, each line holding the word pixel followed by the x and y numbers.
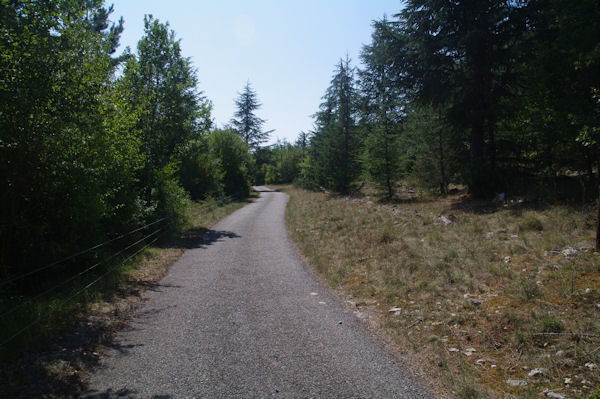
pixel 93 144
pixel 499 95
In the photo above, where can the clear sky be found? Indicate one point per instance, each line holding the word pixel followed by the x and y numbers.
pixel 286 49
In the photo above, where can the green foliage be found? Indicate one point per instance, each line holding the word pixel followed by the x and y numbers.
pixel 382 111
pixel 272 174
pixel 433 148
pixel 233 154
pixel 468 92
pixel 172 199
pixel 200 171
pixel 336 144
pixel 246 123
pixel 164 87
pixel 86 155
pixel 68 156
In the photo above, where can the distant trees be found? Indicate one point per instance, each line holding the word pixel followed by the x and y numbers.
pixel 245 122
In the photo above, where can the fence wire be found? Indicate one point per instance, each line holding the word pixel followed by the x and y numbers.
pixel 86 287
pixel 75 255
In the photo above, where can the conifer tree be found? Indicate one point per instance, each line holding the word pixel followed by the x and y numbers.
pixel 245 122
pixel 336 143
pixel 382 110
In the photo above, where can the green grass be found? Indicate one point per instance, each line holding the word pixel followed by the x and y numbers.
pixel 489 281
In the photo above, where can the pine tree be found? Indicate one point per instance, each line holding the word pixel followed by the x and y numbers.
pixel 462 54
pixel 245 122
pixel 336 144
pixel 382 110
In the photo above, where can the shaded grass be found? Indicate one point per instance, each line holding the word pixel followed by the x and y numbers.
pixel 47 357
pixel 494 280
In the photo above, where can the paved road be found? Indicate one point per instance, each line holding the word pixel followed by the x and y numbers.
pixel 242 316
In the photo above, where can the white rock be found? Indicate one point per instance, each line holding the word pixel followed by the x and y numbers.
pixel 445 220
pixel 588 290
pixel 507 259
pixel 480 362
pixel 560 353
pixel 394 309
pixel 537 371
pixel 453 350
pixel 469 351
pixel 590 365
pixel 568 380
pixel 493 366
pixel 555 395
pixel 568 252
pixel 516 383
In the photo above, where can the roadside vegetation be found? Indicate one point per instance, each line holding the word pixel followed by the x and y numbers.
pixel 111 165
pixel 500 298
pixel 69 331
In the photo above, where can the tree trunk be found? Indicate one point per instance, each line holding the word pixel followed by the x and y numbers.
pixel 443 180
pixel 492 152
pixel 598 228
pixel 478 186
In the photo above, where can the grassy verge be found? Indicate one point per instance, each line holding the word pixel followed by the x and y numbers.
pixel 497 299
pixel 48 357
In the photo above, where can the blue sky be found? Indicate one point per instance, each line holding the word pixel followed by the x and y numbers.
pixel 287 49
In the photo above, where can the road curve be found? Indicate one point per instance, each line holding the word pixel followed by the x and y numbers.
pixel 241 315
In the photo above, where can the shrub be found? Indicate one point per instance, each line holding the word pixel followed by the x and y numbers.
pixel 173 201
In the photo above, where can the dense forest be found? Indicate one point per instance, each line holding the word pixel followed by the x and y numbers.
pixel 500 96
pixel 495 96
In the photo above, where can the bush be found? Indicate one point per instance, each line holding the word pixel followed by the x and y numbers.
pixel 232 152
pixel 173 202
pixel 200 172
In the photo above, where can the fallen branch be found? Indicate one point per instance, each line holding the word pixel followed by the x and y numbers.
pixel 415 323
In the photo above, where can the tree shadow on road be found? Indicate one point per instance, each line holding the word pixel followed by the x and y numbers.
pixel 200 237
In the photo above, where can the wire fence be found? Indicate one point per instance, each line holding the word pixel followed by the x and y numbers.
pixel 146 240
pixel 75 255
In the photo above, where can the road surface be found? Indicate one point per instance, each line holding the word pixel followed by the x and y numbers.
pixel 241 315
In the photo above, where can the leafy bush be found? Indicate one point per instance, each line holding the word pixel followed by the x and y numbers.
pixel 200 171
pixel 172 200
pixel 234 157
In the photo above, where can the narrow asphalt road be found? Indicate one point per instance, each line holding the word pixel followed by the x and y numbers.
pixel 241 315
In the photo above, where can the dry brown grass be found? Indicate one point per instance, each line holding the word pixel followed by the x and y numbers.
pixel 492 285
